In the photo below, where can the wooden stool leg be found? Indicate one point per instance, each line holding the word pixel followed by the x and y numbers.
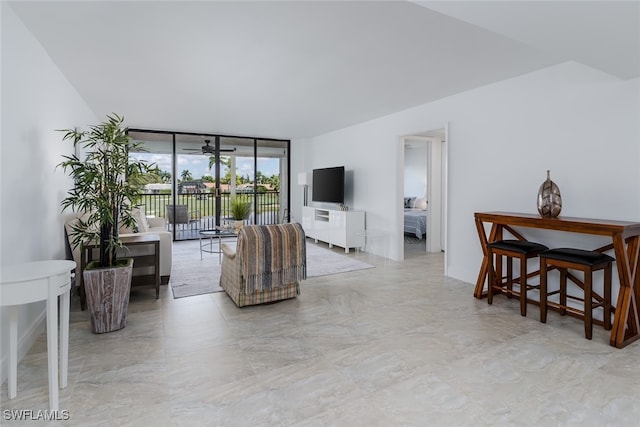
pixel 509 276
pixel 607 298
pixel 588 302
pixel 563 290
pixel 543 290
pixel 491 278
pixel 523 285
pixel 498 271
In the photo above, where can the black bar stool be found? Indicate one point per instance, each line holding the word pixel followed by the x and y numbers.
pixel 522 250
pixel 586 261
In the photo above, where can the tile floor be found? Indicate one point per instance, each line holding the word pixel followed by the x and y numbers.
pixel 396 345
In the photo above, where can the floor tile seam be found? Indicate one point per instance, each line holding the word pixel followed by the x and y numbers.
pixel 158 367
pixel 432 375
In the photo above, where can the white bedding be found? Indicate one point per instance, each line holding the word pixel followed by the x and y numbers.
pixel 415 222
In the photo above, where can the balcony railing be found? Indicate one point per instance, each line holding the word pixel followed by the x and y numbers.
pixel 203 206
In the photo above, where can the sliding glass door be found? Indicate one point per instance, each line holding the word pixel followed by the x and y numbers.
pixel 272 180
pixel 198 175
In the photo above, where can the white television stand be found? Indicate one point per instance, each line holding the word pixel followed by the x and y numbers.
pixel 335 227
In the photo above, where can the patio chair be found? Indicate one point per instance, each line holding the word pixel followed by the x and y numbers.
pixel 182 216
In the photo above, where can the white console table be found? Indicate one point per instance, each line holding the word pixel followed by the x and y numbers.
pixel 335 227
pixel 39 281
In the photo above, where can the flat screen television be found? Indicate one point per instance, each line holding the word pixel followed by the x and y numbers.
pixel 328 185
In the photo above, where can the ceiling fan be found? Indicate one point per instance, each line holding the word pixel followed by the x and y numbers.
pixel 208 149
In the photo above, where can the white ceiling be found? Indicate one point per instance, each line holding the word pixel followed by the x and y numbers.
pixel 295 69
pixel 602 34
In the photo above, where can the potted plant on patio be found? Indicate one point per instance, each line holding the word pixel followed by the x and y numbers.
pixel 107 187
pixel 240 209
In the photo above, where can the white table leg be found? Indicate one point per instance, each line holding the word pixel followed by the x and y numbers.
pixel 64 339
pixel 13 351
pixel 52 349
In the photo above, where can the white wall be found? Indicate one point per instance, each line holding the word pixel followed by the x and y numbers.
pixel 415 169
pixel 576 121
pixel 371 165
pixel 36 100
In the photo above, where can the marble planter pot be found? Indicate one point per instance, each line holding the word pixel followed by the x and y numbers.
pixel 107 291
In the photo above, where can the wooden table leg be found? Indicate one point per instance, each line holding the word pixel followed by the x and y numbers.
pixel 482 275
pixel 626 328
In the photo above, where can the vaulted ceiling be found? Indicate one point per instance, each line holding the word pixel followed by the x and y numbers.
pixel 295 69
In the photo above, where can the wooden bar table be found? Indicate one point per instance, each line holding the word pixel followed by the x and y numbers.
pixel 625 242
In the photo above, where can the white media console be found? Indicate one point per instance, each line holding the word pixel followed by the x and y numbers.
pixel 335 227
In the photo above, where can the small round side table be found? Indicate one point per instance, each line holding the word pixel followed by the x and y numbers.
pixel 39 281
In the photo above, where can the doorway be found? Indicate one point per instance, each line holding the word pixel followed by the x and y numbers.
pixel 424 177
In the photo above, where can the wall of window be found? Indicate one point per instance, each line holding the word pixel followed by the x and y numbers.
pixel 197 175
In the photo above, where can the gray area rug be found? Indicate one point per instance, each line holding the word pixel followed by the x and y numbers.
pixel 191 276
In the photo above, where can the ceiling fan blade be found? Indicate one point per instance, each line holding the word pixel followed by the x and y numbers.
pixel 224 150
pixel 207 149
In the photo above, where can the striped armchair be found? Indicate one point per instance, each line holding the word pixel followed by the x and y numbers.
pixel 267 265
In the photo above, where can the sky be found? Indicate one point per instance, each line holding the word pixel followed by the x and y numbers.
pixel 198 164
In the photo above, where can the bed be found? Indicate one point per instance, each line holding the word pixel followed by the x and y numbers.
pixel 415 222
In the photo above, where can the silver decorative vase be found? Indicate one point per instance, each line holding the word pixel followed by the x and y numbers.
pixel 549 199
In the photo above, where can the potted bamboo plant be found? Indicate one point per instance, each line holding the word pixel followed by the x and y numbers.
pixel 240 209
pixel 107 188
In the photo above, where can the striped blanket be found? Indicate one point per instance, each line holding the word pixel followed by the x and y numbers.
pixel 272 255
